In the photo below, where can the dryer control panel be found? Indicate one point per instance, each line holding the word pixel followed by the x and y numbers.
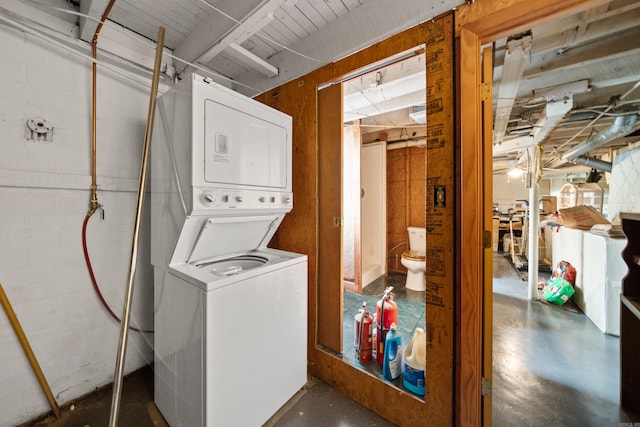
pixel 219 198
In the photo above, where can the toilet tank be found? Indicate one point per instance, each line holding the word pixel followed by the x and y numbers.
pixel 417 239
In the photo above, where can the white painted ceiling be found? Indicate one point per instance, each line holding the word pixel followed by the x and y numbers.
pixel 576 75
pixel 292 36
pixel 600 48
pixel 256 45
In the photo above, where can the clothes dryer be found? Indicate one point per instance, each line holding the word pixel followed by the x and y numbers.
pixel 231 313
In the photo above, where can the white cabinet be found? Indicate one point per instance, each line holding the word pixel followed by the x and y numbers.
pixel 599 272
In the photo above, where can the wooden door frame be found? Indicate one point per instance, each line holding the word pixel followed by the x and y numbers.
pixel 477 24
pixel 355 151
pixel 330 157
pixel 436 39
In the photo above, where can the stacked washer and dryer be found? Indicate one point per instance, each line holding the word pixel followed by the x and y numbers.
pixel 231 314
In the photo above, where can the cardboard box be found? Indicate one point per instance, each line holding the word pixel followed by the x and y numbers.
pixel 549 205
pixel 581 217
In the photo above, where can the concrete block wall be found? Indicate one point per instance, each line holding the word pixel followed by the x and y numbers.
pixel 624 185
pixel 44 197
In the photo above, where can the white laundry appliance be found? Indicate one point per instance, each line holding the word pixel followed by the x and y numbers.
pixel 230 313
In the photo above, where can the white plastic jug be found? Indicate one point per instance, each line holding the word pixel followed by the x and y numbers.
pixel 415 360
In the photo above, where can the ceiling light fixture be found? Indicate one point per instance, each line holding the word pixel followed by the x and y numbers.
pixel 512 72
pixel 515 172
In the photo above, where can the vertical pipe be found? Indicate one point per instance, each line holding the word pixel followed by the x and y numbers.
pixel 124 329
pixel 94 134
pixel 534 224
pixel 28 351
pixel 94 186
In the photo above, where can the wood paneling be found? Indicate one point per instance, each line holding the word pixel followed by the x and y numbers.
pixel 471 230
pixel 492 20
pixel 330 301
pixel 487 214
pixel 301 231
pixel 440 213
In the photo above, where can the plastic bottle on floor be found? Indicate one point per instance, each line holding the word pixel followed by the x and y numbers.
pixel 392 367
pixel 415 360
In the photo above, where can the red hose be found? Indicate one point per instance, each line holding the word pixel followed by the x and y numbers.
pixel 93 277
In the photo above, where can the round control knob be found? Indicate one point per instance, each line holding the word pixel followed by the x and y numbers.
pixel 238 199
pixel 262 199
pixel 208 197
pixel 286 200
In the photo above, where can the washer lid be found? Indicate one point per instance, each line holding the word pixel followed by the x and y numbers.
pixel 235 265
pixel 233 235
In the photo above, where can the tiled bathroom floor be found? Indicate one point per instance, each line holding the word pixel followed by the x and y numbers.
pixel 411 315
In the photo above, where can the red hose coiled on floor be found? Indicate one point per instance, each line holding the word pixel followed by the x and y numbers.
pixel 93 277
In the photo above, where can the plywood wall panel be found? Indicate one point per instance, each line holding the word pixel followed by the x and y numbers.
pixel 417 171
pixel 417 203
pixel 300 232
pixel 440 209
pixel 396 160
pixel 330 158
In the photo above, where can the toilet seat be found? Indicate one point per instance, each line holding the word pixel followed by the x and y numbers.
pixel 414 255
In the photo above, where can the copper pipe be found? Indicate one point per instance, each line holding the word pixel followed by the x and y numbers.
pixel 94 145
pixel 28 351
pixel 124 328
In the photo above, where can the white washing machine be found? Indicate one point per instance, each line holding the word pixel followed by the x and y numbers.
pixel 231 313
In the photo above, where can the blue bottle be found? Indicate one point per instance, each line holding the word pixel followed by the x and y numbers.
pixel 392 365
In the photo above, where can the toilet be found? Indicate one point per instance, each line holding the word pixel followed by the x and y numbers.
pixel 414 259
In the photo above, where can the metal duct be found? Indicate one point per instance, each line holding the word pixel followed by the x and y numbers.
pixel 620 127
pixel 593 163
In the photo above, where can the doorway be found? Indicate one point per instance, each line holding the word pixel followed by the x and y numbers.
pixel 602 72
pixel 327 286
pixel 383 155
pixel 373 212
pixel 476 32
pixel 364 202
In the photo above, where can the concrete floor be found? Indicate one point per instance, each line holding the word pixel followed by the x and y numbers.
pixel 317 405
pixel 551 367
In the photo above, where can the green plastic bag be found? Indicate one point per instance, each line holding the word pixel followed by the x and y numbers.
pixel 558 291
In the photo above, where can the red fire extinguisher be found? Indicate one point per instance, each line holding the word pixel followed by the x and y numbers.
pixel 386 314
pixel 363 334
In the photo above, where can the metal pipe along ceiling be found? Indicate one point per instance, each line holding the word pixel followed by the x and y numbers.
pixel 620 127
pixel 593 163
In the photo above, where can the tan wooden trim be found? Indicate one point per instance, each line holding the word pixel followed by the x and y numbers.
pixel 471 232
pixel 492 20
pixel 330 301
pixel 487 214
pixel 357 241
